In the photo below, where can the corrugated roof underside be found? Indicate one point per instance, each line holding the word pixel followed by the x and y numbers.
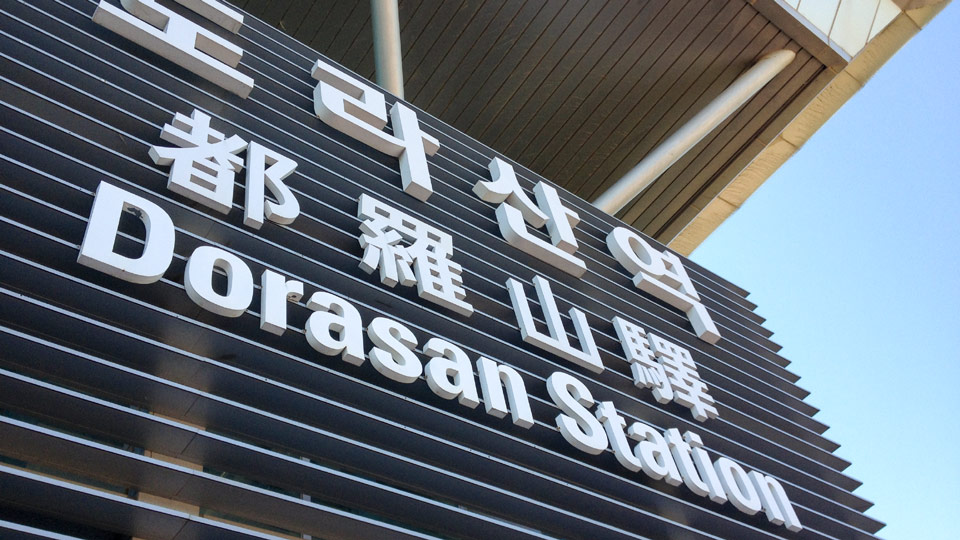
pixel 578 91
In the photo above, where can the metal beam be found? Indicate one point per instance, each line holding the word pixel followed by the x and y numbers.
pixel 385 16
pixel 680 142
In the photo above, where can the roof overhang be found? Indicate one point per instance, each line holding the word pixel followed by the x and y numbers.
pixel 580 92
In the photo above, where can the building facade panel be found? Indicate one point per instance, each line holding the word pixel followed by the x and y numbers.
pixel 130 409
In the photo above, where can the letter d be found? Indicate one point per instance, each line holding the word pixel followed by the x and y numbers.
pixel 97 252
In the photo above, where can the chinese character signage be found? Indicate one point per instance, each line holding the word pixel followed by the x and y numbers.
pixel 404 250
pixel 339 228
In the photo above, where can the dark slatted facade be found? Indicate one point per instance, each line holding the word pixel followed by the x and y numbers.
pixel 127 410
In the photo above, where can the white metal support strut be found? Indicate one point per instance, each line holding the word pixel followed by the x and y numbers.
pixel 388 58
pixel 679 143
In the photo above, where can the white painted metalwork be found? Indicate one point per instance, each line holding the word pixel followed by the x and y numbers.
pixel 669 151
pixel 388 58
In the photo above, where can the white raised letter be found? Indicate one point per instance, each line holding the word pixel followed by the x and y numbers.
pixel 450 373
pixel 774 501
pixel 392 354
pixel 198 280
pixel 577 425
pixel 613 424
pixel 181 41
pixel 705 467
pixel 96 251
pixel 349 106
pixel 516 210
pixel 737 485
pixel 266 170
pixel 334 315
pixel 275 292
pixel 556 342
pixel 491 376
pixel 654 454
pixel 663 276
pixel 681 456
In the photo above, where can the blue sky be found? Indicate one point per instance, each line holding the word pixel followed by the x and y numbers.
pixel 851 252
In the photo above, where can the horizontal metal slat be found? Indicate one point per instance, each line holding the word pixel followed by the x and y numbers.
pixel 88 412
pixel 294 404
pixel 242 355
pixel 156 477
pixel 63 89
pixel 57 498
pixel 488 218
pixel 16 531
pixel 187 333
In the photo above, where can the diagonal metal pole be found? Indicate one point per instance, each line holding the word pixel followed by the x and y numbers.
pixel 680 142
